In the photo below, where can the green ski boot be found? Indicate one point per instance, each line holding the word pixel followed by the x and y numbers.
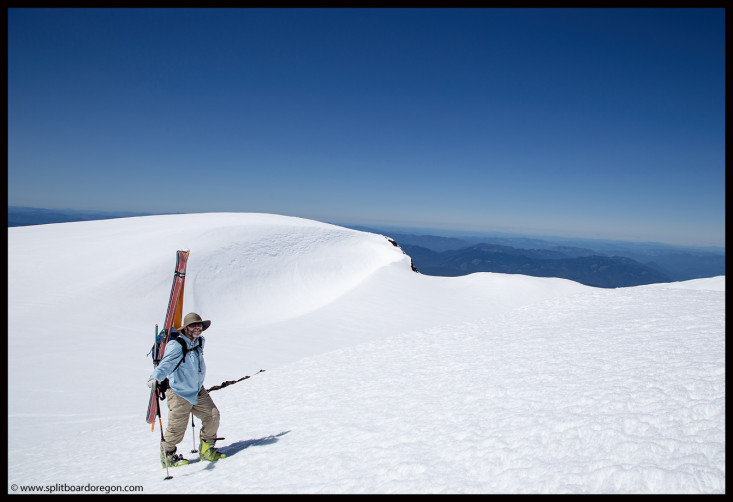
pixel 174 460
pixel 208 452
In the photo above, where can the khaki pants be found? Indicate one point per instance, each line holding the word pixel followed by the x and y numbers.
pixel 178 418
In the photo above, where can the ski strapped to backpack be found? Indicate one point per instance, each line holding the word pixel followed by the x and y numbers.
pixel 172 322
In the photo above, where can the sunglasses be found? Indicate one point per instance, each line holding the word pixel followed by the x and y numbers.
pixel 196 325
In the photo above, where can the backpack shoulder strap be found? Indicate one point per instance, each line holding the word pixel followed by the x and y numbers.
pixel 186 350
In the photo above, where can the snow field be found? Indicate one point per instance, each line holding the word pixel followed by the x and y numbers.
pixel 378 380
pixel 493 408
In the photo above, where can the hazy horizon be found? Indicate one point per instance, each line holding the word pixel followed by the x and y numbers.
pixel 426 231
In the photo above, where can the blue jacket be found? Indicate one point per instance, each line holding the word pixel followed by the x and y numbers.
pixel 188 378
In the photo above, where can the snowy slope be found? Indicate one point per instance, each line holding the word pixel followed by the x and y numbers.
pixel 379 380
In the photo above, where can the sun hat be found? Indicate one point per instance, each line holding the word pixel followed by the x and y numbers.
pixel 194 318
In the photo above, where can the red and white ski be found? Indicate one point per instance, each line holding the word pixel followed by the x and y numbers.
pixel 172 320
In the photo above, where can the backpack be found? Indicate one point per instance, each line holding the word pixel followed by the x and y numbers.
pixel 165 384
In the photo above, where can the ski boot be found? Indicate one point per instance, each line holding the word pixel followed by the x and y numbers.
pixel 174 459
pixel 208 452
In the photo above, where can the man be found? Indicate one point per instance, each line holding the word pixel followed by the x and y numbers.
pixel 187 394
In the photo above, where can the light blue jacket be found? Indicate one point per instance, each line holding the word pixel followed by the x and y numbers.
pixel 188 378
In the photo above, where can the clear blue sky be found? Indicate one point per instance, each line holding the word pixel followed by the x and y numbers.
pixel 598 123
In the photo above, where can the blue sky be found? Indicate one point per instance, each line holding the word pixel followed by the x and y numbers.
pixel 596 123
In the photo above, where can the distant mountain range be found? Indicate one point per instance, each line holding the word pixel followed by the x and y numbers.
pixel 606 264
pixel 20 216
pixel 599 271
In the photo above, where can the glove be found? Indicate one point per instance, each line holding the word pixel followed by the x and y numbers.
pixel 151 382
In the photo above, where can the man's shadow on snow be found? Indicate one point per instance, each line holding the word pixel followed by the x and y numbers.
pixel 234 448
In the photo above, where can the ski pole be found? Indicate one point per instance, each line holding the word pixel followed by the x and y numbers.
pixel 162 438
pixel 193 435
pixel 163 452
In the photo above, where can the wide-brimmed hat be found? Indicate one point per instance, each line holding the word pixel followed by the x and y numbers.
pixel 193 318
